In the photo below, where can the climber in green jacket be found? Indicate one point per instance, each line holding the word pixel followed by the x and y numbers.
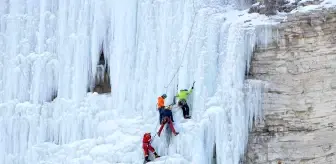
pixel 183 96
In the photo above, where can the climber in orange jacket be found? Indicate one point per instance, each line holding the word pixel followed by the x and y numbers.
pixel 146 146
pixel 161 105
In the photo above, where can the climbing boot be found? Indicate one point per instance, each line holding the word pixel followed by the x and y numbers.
pixel 156 155
pixel 146 159
pixel 187 117
pixel 176 133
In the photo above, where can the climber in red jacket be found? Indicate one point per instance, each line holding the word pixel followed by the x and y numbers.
pixel 146 146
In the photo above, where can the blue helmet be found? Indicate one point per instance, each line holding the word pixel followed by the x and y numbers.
pixel 164 96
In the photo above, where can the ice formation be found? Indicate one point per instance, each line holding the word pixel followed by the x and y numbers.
pixel 51 48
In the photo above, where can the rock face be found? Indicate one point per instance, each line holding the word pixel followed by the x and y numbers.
pixel 102 78
pixel 102 83
pixel 300 100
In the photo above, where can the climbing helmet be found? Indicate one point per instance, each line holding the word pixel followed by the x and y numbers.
pixel 164 95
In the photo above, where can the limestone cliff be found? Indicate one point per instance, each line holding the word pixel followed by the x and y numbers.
pixel 300 100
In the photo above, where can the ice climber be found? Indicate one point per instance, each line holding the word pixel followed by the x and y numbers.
pixel 183 96
pixel 146 146
pixel 161 105
pixel 167 116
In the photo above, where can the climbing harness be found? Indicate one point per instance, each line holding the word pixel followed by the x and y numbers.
pixel 185 48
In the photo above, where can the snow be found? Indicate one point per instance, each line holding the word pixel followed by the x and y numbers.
pixel 52 47
pixel 323 5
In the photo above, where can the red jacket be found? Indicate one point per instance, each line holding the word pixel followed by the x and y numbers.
pixel 146 138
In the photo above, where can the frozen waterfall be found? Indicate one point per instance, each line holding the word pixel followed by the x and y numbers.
pixel 51 48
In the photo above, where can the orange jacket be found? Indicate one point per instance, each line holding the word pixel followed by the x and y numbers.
pixel 160 102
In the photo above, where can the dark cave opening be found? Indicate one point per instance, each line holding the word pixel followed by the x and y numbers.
pixel 102 77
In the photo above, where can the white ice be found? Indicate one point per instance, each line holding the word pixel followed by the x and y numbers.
pixel 51 47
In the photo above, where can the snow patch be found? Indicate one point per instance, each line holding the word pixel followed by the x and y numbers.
pixel 323 5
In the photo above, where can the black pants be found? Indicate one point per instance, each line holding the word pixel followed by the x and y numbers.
pixel 160 112
pixel 185 108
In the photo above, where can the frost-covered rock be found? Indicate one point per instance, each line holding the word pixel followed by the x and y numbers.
pixel 272 7
pixel 300 116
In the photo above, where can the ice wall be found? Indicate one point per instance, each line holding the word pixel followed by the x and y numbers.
pixel 52 48
pixel 227 114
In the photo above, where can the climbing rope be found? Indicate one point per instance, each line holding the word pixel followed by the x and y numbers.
pixel 185 48
pixel 155 130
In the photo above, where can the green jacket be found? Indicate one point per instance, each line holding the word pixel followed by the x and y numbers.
pixel 183 95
